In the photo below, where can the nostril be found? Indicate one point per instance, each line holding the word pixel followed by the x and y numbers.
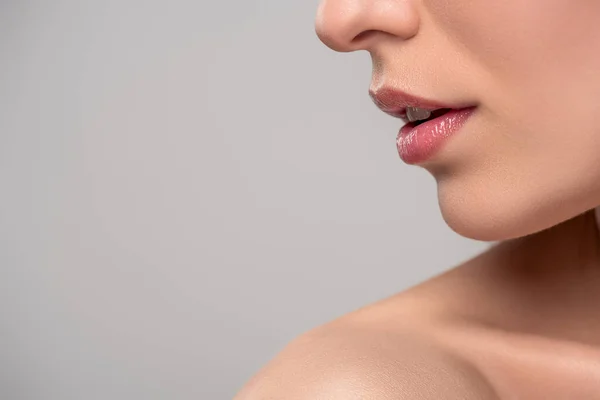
pixel 363 36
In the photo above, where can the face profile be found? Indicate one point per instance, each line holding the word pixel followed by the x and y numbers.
pixel 500 102
pixel 500 99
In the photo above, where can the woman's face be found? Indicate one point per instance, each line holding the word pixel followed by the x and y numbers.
pixel 528 156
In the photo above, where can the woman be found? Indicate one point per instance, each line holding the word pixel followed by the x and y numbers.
pixel 502 100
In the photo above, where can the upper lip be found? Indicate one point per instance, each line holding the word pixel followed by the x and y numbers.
pixel 394 102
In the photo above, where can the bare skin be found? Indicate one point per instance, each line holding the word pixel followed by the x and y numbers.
pixel 519 321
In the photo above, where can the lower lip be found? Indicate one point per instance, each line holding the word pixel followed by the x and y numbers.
pixel 417 144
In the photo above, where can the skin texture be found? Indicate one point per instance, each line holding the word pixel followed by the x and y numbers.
pixel 528 159
pixel 519 321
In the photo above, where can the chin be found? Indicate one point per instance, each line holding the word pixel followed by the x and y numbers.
pixel 496 213
pixel 475 221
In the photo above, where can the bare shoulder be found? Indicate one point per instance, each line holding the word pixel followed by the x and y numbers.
pixel 349 360
pixel 403 347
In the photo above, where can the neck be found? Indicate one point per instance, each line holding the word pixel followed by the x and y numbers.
pixel 548 283
pixel 569 249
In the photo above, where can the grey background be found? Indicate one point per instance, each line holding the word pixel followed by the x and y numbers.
pixel 186 186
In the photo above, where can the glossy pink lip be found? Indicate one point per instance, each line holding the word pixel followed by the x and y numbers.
pixel 417 143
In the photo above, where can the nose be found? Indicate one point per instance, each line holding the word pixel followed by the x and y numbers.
pixel 350 25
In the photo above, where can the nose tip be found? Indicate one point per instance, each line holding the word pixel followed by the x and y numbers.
pixel 349 25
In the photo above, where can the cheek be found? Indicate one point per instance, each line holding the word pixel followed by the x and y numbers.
pixel 518 39
pixel 535 151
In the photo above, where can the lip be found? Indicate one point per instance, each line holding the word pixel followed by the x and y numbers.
pixel 417 144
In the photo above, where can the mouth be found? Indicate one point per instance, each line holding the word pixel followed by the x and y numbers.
pixel 427 123
pixel 409 108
